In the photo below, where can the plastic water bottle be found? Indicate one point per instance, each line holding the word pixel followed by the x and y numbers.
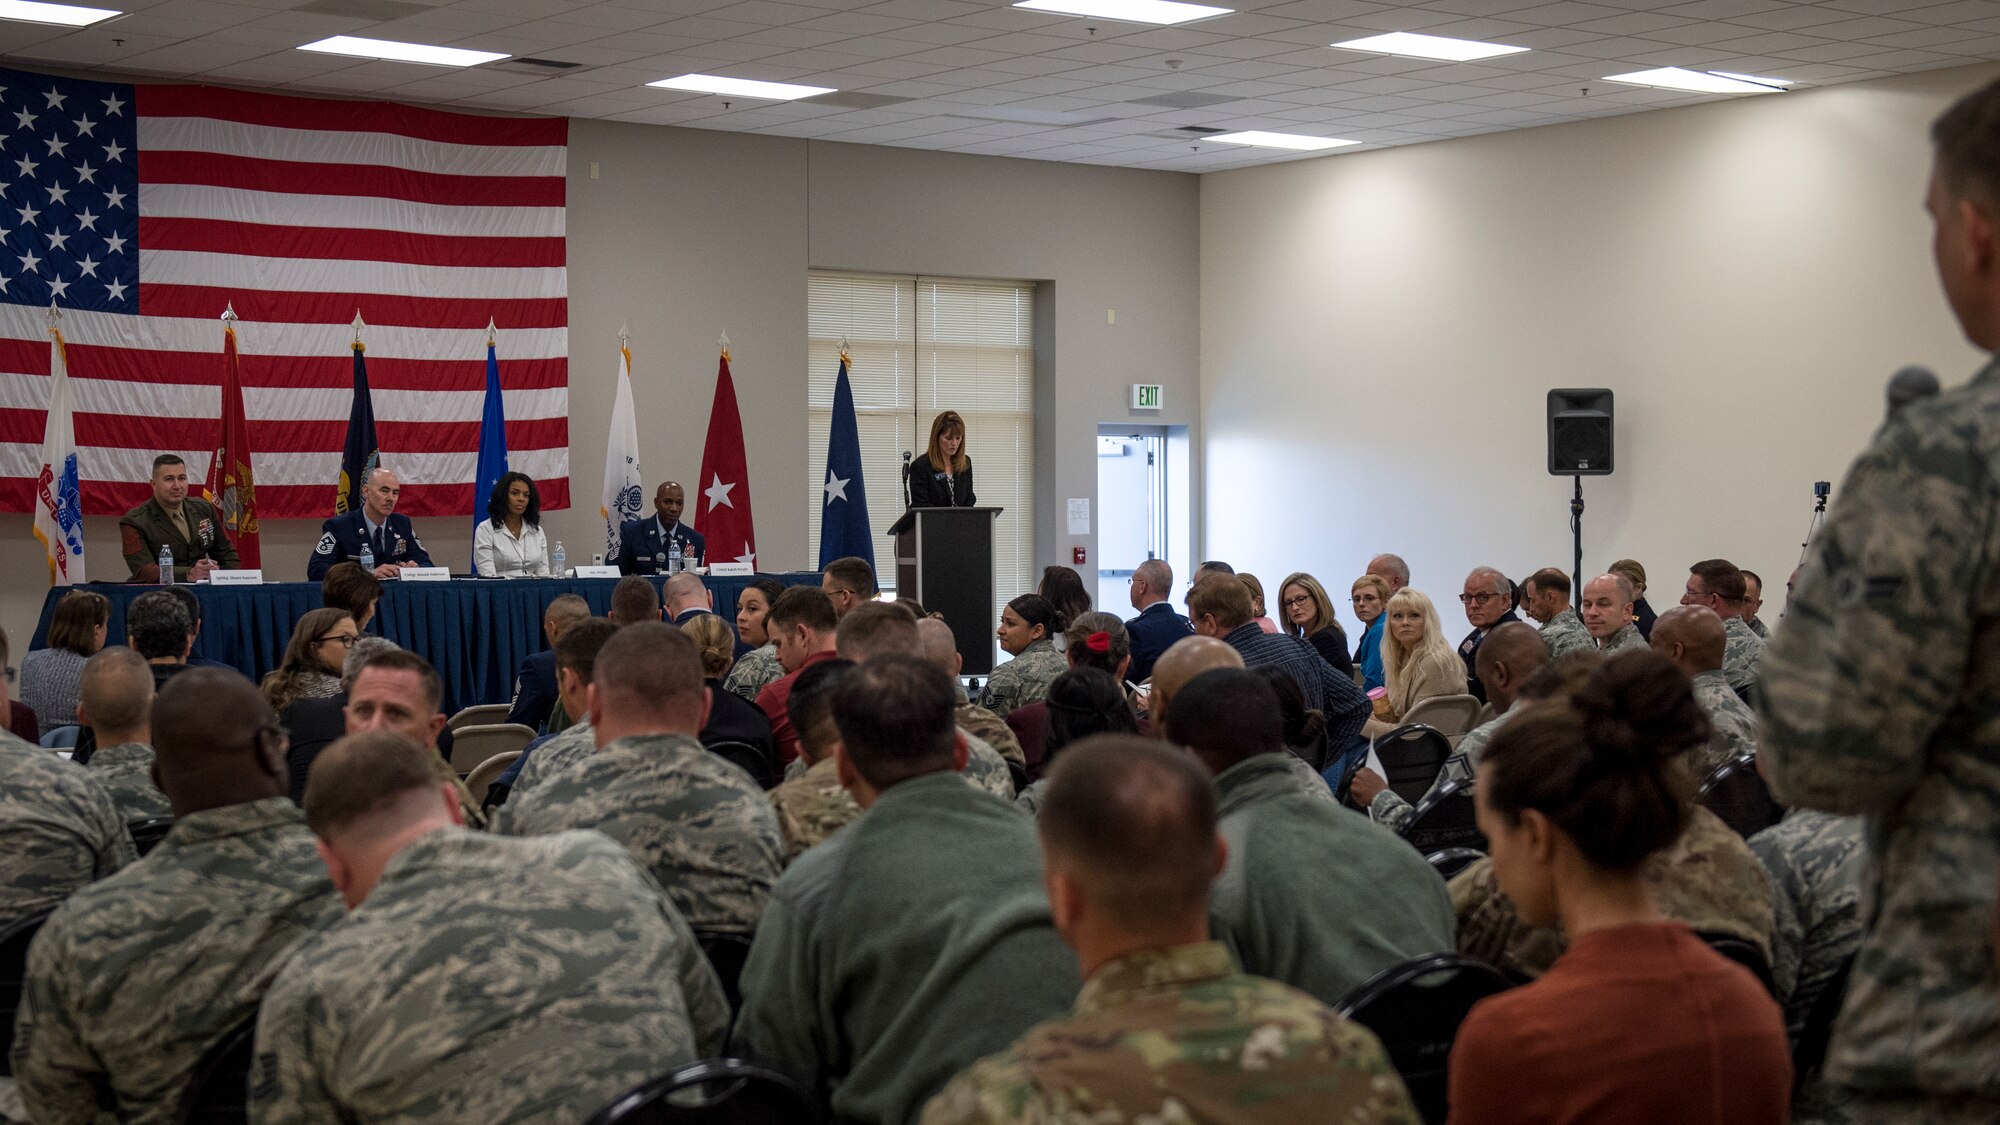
pixel 367 556
pixel 166 565
pixel 673 556
pixel 557 560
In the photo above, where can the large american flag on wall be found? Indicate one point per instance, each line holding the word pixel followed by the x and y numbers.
pixel 143 210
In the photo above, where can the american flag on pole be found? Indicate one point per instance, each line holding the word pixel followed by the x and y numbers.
pixel 143 210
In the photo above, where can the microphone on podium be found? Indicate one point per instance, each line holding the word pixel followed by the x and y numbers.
pixel 1910 384
pixel 906 477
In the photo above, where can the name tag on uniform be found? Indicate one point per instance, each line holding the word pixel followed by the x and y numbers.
pixel 731 569
pixel 425 574
pixel 236 578
pixel 598 572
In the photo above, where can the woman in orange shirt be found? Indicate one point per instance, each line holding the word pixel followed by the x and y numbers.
pixel 1639 1022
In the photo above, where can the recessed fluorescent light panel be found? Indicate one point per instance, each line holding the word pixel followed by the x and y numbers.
pixel 1693 81
pixel 392 51
pixel 67 15
pixel 1781 83
pixel 1129 11
pixel 1292 141
pixel 1410 45
pixel 740 87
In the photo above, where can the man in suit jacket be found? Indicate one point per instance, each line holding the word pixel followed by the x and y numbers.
pixel 642 543
pixel 535 688
pixel 1157 627
pixel 193 528
pixel 684 597
pixel 394 541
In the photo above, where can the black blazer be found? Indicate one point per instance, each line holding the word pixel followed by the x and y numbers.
pixel 928 487
pixel 731 718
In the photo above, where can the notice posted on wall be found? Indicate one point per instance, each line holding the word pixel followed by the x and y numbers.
pixel 1079 516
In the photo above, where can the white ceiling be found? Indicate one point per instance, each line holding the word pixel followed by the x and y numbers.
pixel 987 78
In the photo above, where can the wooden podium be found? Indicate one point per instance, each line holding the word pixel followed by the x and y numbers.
pixel 944 559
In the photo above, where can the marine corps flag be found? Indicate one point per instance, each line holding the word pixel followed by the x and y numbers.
pixel 231 486
pixel 723 514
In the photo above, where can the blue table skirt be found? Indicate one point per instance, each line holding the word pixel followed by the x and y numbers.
pixel 475 631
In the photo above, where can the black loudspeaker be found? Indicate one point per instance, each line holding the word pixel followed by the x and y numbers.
pixel 1580 432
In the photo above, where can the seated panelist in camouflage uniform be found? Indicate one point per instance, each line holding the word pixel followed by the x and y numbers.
pixel 1166 1027
pixel 116 702
pixel 1695 639
pixel 1314 895
pixel 915 940
pixel 699 824
pixel 137 976
pixel 1882 685
pixel 476 978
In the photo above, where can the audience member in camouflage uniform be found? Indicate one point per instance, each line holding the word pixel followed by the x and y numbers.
pixel 576 658
pixel 1708 879
pixel 1882 684
pixel 135 977
pixel 760 665
pixel 1166 1028
pixel 1512 654
pixel 915 940
pixel 58 827
pixel 873 629
pixel 701 826
pixel 399 691
pixel 814 805
pixel 1545 597
pixel 1816 862
pixel 1692 637
pixel 477 977
pixel 940 647
pixel 1607 614
pixel 1717 584
pixel 1321 927
pixel 116 702
pixel 1027 630
pixel 1753 602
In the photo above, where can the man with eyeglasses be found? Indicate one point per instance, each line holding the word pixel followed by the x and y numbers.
pixel 1718 584
pixel 1489 602
pixel 1157 626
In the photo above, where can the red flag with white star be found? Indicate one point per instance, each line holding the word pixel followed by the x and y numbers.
pixel 722 515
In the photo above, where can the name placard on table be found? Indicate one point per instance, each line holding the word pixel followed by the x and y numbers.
pixel 425 574
pixel 236 578
pixel 731 569
pixel 598 572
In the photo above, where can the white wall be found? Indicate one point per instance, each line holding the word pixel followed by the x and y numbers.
pixel 1379 333
pixel 685 234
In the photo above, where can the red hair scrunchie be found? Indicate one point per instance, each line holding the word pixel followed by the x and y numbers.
pixel 1099 643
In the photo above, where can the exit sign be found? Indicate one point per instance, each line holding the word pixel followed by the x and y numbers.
pixel 1145 396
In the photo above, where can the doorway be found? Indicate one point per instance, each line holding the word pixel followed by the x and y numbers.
pixel 1135 507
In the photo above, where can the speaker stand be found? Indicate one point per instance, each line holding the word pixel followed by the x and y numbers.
pixel 1576 536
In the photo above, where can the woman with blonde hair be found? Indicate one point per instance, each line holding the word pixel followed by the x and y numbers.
pixel 1257 612
pixel 731 718
pixel 314 659
pixel 941 476
pixel 1308 613
pixel 1418 663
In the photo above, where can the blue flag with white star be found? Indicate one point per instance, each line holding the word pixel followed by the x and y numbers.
pixel 843 512
pixel 492 463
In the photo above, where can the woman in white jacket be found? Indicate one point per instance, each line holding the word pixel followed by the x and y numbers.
pixel 509 542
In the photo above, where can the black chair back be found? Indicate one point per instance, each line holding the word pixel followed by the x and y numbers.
pixel 1736 793
pixel 1415 1008
pixel 1445 819
pixel 219 1093
pixel 1019 774
pixel 1451 861
pixel 1746 955
pixel 1412 755
pixel 147 833
pixel 1809 1053
pixel 712 1092
pixel 726 954
pixel 1350 762
pixel 14 942
pixel 750 760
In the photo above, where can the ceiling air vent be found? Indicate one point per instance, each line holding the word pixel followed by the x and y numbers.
pixel 527 65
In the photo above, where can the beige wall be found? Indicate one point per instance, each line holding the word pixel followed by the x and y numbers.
pixel 1379 332
pixel 686 234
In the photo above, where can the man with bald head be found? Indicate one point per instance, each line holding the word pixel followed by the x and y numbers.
pixel 1514 652
pixel 684 597
pixel 135 977
pixel 1607 614
pixel 1693 637
pixel 116 702
pixel 1188 658
pixel 1489 603
pixel 702 826
pixel 476 977
pixel 1391 569
pixel 378 528
pixel 937 644
pixel 1157 627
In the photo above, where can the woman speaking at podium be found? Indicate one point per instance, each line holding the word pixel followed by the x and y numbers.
pixel 941 477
